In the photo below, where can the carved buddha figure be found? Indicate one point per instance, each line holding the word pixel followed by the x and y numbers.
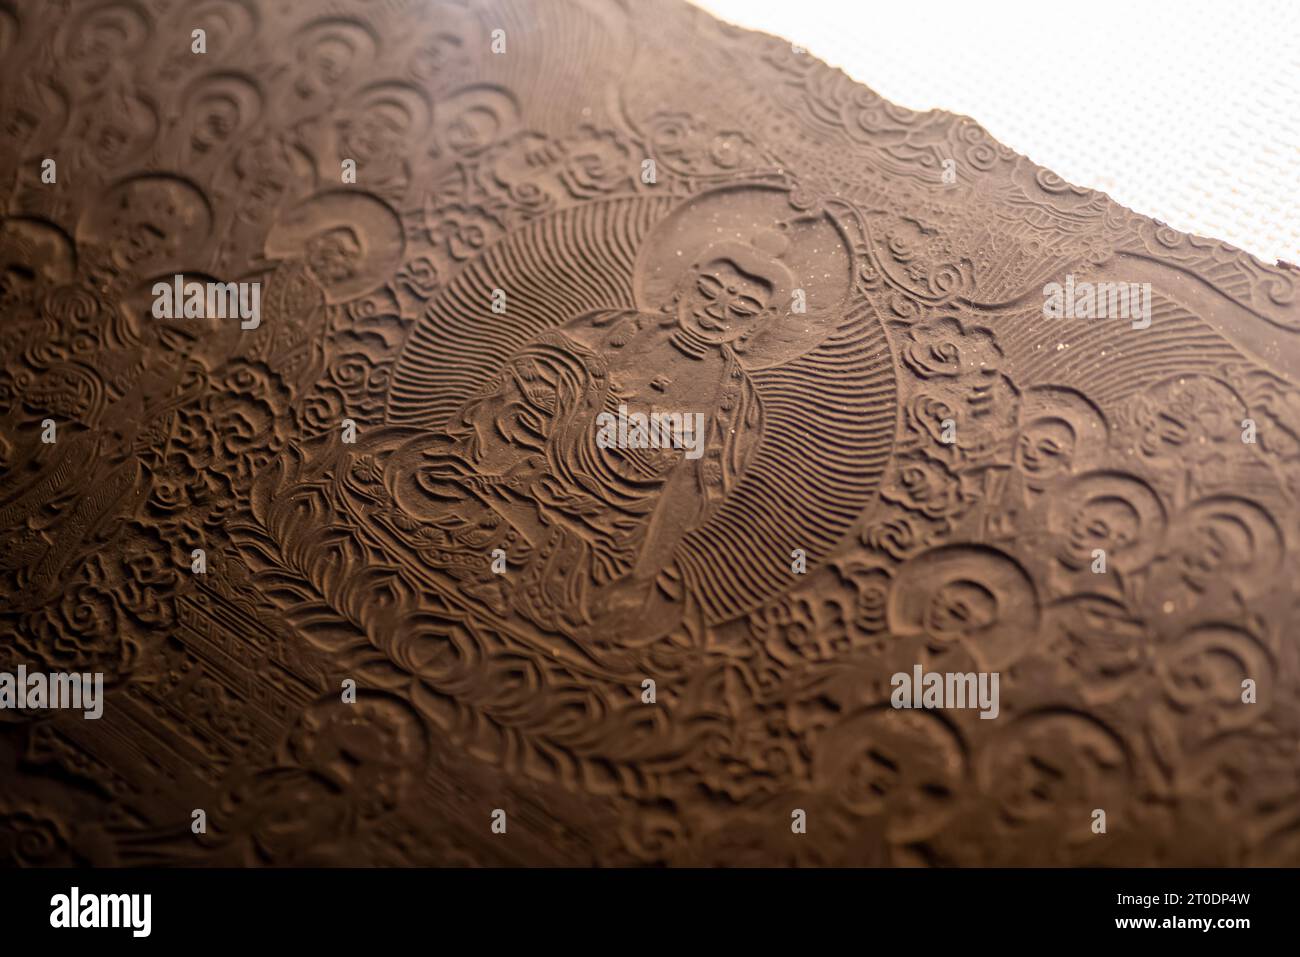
pixel 601 523
pixel 685 311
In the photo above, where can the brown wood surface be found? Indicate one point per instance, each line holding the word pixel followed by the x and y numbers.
pixel 670 214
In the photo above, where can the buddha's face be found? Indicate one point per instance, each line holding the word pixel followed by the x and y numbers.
pixel 1046 448
pixel 143 239
pixel 107 37
pixel 18 126
pixel 331 60
pixel 264 167
pixel 17 283
pixel 331 254
pixel 1106 523
pixel 959 608
pixel 1214 547
pixel 721 302
pixel 216 118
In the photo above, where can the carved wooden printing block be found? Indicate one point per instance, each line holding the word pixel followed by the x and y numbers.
pixel 587 433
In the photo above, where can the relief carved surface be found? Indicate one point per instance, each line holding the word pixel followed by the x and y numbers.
pixel 946 461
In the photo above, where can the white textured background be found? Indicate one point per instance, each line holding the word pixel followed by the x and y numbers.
pixel 1184 110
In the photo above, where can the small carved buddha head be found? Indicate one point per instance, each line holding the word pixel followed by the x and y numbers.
pixel 730 291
